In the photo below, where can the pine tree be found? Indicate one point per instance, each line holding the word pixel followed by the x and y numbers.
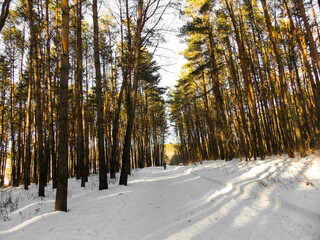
pixel 62 188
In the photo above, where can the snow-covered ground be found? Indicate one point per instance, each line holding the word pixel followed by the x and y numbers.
pixel 278 198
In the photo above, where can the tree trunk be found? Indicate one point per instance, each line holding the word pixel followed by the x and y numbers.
pixel 28 112
pixel 117 106
pixel 53 97
pixel 62 188
pixel 39 126
pixel 20 132
pixel 103 180
pixel 81 171
pixel 12 127
pixel 131 99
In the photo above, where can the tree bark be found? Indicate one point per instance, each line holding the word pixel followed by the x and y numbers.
pixel 62 188
pixel 81 171
pixel 20 131
pixel 52 100
pixel 103 180
pixel 131 99
pixel 12 127
pixel 28 112
pixel 39 125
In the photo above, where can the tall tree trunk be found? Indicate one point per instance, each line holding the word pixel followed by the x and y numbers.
pixel 62 188
pixel 131 99
pixel 20 131
pixel 3 158
pixel 103 180
pixel 28 112
pixel 117 106
pixel 47 98
pixel 52 106
pixel 86 120
pixel 12 127
pixel 35 153
pixel 80 142
pixel 39 125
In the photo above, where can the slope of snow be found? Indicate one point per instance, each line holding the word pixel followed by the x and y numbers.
pixel 278 198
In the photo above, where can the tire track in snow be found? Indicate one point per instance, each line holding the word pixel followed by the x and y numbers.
pixel 281 212
pixel 201 217
pixel 232 211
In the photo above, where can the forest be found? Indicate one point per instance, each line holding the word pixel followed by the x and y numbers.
pixel 250 88
pixel 80 93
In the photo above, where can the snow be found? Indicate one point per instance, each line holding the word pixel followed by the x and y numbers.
pixel 277 198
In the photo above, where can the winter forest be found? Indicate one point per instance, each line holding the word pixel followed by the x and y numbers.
pixel 83 108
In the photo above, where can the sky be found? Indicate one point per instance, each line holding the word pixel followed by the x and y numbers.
pixel 168 55
pixel 171 61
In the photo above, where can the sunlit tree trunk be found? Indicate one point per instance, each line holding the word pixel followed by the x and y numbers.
pixel 61 196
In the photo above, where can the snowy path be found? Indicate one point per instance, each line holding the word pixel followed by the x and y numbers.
pixel 210 201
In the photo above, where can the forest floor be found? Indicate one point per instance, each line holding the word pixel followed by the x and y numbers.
pixel 278 198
